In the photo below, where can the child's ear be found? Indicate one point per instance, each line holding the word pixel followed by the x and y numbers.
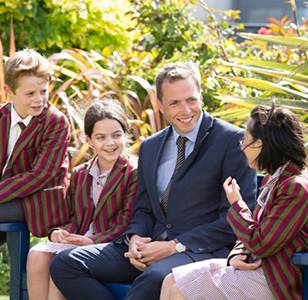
pixel 8 91
pixel 89 141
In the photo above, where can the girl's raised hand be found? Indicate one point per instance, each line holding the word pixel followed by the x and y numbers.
pixel 232 190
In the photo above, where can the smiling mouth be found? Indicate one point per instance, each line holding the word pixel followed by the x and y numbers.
pixel 110 151
pixel 186 120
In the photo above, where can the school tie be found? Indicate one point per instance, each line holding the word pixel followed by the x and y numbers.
pixel 179 160
pixel 22 126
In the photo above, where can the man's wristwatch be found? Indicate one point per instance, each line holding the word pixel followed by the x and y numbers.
pixel 179 247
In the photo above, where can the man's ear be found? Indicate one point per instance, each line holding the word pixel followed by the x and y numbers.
pixel 160 106
pixel 8 91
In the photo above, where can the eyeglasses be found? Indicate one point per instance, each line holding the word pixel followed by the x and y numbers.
pixel 243 147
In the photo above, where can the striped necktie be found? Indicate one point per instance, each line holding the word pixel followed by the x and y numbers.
pixel 179 161
pixel 22 126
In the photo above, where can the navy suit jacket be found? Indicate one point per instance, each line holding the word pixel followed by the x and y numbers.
pixel 197 204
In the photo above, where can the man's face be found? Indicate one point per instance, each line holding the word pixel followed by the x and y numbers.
pixel 181 104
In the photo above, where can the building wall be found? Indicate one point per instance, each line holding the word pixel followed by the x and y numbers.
pixel 255 13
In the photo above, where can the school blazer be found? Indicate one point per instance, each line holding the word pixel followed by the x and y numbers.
pixel 116 202
pixel 283 230
pixel 37 169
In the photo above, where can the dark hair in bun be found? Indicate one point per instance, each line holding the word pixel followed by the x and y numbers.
pixel 282 137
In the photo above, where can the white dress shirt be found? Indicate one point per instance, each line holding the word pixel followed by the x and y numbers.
pixel 14 133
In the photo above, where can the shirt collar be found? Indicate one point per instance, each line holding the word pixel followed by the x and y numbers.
pixel 192 135
pixel 15 118
pixel 95 172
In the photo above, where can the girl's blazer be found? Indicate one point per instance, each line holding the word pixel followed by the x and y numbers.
pixel 37 169
pixel 282 231
pixel 115 206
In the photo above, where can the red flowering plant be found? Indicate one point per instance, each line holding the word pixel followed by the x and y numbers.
pixel 265 31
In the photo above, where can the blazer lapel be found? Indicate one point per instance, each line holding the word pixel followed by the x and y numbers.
pixel 112 182
pixel 29 133
pixel 87 202
pixel 288 172
pixel 5 131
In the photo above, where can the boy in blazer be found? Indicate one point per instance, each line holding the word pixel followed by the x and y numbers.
pixel 191 225
pixel 34 139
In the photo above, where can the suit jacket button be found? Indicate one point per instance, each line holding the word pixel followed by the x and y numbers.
pixel 168 226
pixel 208 248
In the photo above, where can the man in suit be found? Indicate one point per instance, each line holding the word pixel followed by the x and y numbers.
pixel 180 207
pixel 34 139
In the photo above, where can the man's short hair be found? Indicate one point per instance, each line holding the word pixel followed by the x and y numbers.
pixel 26 62
pixel 174 72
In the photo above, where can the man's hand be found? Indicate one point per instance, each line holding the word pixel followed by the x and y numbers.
pixel 143 253
pixel 232 190
pixel 64 237
pixel 156 251
pixel 238 262
pixel 135 257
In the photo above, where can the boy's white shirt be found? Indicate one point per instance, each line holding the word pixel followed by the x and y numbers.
pixel 14 132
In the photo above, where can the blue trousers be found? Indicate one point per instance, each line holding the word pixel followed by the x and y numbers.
pixel 81 272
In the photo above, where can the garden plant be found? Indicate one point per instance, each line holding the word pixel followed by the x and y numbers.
pixel 115 50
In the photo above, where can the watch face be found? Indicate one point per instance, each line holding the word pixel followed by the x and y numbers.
pixel 180 247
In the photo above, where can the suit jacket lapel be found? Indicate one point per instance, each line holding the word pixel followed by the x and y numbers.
pixel 112 182
pixel 152 190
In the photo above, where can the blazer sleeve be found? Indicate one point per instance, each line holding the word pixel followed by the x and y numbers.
pixel 47 163
pixel 212 236
pixel 281 222
pixel 120 222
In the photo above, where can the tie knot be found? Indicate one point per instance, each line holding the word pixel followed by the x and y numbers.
pixel 21 125
pixel 181 141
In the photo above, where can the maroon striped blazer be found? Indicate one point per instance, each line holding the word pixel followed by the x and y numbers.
pixel 37 169
pixel 282 231
pixel 115 206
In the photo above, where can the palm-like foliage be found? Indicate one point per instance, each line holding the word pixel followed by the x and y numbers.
pixel 80 77
pixel 288 82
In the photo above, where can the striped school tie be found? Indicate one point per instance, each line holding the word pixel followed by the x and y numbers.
pixel 22 126
pixel 179 160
